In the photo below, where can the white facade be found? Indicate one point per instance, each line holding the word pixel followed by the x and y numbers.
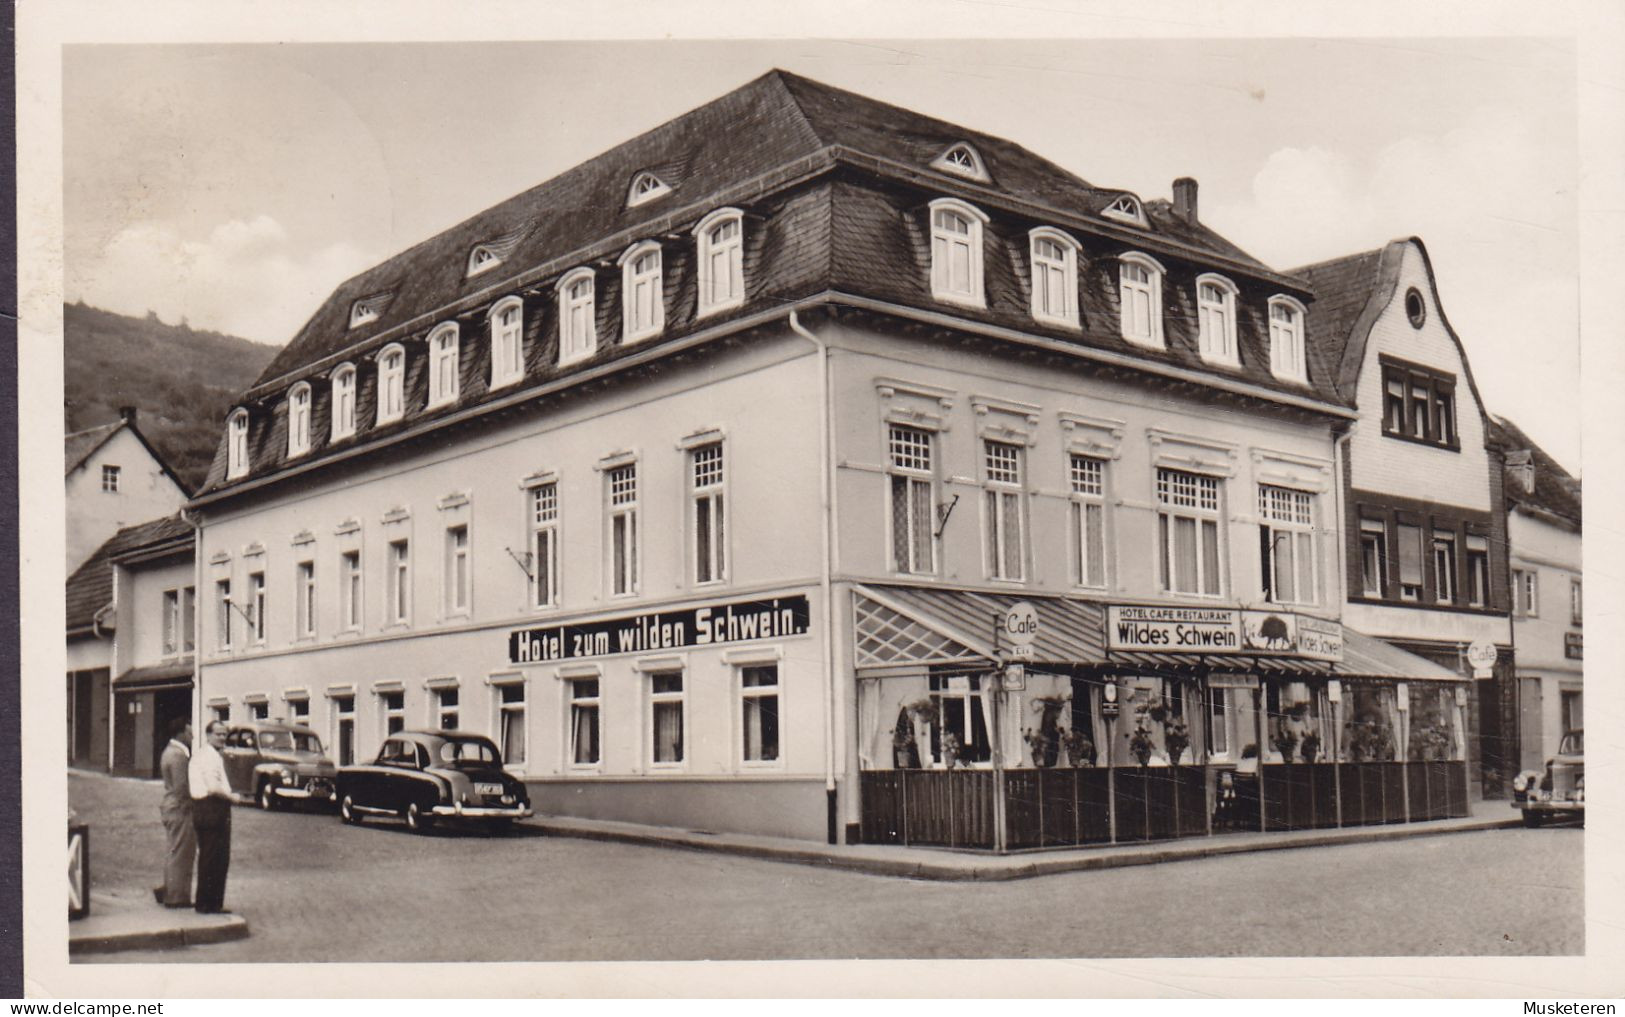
pixel 118 485
pixel 1546 624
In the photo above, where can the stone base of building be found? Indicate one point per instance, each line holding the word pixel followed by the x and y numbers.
pixel 793 808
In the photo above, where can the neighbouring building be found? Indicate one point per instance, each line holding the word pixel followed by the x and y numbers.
pixel 115 478
pixel 1424 524
pixel 701 476
pixel 1543 531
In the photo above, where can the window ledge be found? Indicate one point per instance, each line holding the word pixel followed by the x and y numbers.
pixel 441 402
pixel 639 336
pixel 962 300
pixel 576 358
pixel 1071 324
pixel 1153 343
pixel 726 305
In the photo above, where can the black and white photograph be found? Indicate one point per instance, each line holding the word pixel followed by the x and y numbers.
pixel 832 494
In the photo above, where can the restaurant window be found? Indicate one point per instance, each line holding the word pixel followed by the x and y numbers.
pixel 1294 722
pixel 759 702
pixel 1435 730
pixel 957 703
pixel 1444 567
pixel 1188 557
pixel 222 618
pixel 1419 403
pixel 623 530
pixel 1088 477
pixel 511 721
pixel 256 607
pixel 666 718
pixel 1478 571
pixel 306 594
pixel 544 545
pixel 343 424
pixel 1003 510
pixel 400 582
pixel 350 590
pixel 912 499
pixel 343 734
pixel 1370 722
pixel 1287 545
pixel 710 546
pixel 393 705
pixel 507 322
pixel 457 569
pixel 1218 722
pixel 445 708
pixel 584 721
pixel 391 384
pixel 1373 557
pixel 1410 562
pixel 578 331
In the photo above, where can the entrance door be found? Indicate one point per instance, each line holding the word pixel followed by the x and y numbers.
pixel 166 706
pixel 1531 752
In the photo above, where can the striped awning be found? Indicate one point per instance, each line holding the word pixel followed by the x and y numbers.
pixel 1194 663
pixel 910 626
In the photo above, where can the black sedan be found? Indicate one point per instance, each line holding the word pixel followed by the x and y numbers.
pixel 428 776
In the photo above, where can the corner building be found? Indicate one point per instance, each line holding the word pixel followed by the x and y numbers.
pixel 699 476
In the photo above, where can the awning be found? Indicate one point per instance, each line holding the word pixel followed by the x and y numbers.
pixel 1190 663
pixel 158 678
pixel 1369 657
pixel 909 626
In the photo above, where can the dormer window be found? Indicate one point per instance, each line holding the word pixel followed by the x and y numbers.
pixel 363 312
pixel 578 332
pixel 643 311
pixel 237 445
pixel 721 240
pixel 507 321
pixel 343 401
pixel 1286 340
pixel 1140 290
pixel 443 365
pixel 645 187
pixel 481 259
pixel 1055 277
pixel 962 160
pixel 391 384
pixel 956 252
pixel 1216 319
pixel 299 420
pixel 1125 208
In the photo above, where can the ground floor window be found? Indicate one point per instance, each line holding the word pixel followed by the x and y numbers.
pixel 1370 720
pixel 759 696
pixel 299 710
pixel 958 720
pixel 1435 724
pixel 221 712
pixel 511 722
pixel 445 713
pixel 584 705
pixel 666 717
pixel 259 709
pixel 393 705
pixel 1294 722
pixel 344 730
pixel 1573 711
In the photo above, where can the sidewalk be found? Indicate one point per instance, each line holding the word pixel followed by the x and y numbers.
pixel 124 919
pixel 951 865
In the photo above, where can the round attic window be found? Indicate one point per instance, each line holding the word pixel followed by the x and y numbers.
pixel 1415 309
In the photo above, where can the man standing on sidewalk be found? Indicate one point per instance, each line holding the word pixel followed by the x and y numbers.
pixel 211 816
pixel 176 812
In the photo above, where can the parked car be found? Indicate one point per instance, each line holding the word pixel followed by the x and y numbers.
pixel 1559 790
pixel 269 761
pixel 427 776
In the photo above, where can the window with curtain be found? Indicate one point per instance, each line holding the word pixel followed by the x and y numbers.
pixel 578 329
pixel 511 722
pixel 958 702
pixel 443 366
pixel 544 545
pixel 391 384
pixel 623 529
pixel 643 311
pixel 1140 296
pixel 299 420
pixel 1055 277
pixel 759 702
pixel 584 706
pixel 710 555
pixel 912 499
pixel 666 717
pixel 1002 496
pixel 1188 559
pixel 1088 476
pixel 1287 545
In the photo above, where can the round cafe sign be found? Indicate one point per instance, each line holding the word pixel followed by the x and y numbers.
pixel 1020 628
pixel 1481 654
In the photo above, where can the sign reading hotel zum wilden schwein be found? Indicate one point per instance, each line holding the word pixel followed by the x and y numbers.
pixel 1222 630
pixel 705 625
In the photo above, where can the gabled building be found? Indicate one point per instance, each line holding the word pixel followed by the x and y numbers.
pixel 1425 561
pixel 699 476
pixel 115 479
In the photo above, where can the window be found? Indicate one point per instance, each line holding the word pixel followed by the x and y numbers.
pixel 962 160
pixel 1416 309
pixel 1373 557
pixel 666 718
pixel 1002 498
pixel 1055 277
pixel 256 607
pixel 960 715
pixel 1286 340
pixel 362 312
pixel 1089 520
pixel 1125 208
pixel 350 591
pixel 912 499
pixel 344 730
pixel 1418 403
pixel 1218 722
pixel 1286 535
pixel 1444 567
pixel 584 702
pixel 643 304
pixel 221 711
pixel 1526 593
pixel 299 709
pixel 645 187
pixel 1478 571
pixel 400 583
pixel 172 622
pixel 222 601
pixel 445 708
pixel 511 722
pixel 623 529
pixel 1188 558
pixel 956 252
pixel 481 259
pixel 759 698
pixel 710 542
pixel 299 420
pixel 258 709
pixel 343 402
pixel 237 445
pixel 1140 293
pixel 443 370
pixel 721 239
pixel 456 574
pixel 1573 706
pixel 1216 319
pixel 578 331
pixel 393 705
pixel 544 545
pixel 391 385
pixel 188 621
pixel 1410 562
pixel 305 591
pixel 1576 607
pixel 110 476
pixel 507 322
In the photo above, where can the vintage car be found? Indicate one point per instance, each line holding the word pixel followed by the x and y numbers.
pixel 269 761
pixel 1559 791
pixel 427 776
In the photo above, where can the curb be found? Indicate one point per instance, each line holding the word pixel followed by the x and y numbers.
pixel 158 939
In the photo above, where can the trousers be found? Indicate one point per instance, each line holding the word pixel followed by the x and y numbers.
pixel 211 817
pixel 182 854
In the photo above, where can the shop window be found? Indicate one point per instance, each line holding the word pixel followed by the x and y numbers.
pixel 350 590
pixel 511 722
pixel 913 499
pixel 1370 723
pixel 256 607
pixel 584 722
pixel 623 530
pixel 305 592
pixel 666 735
pixel 445 708
pixel 960 725
pixel 1055 277
pixel 343 424
pixel 507 324
pixel 222 618
pixel 710 545
pixel 400 582
pixel 1002 496
pixel 1188 556
pixel 1373 557
pixel 1419 403
pixel 1434 724
pixel 544 545
pixel 1139 281
pixel 110 479
pixel 393 707
pixel 643 310
pixel 391 384
pixel 759 702
pixel 1478 571
pixel 720 237
pixel 578 329
pixel 956 252
pixel 457 570
pixel 1287 545
pixel 1088 477
pixel 1410 562
pixel 1444 567
pixel 343 730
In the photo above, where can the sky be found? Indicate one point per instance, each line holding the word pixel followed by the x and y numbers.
pixel 235 185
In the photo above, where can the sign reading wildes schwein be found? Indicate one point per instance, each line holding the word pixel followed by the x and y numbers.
pixel 706 625
pixel 1222 630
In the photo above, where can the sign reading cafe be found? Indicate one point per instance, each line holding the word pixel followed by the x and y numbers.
pixel 663 630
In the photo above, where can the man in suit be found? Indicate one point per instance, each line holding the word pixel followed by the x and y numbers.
pixel 176 812
pixel 211 817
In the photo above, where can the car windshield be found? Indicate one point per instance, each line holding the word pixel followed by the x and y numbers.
pixel 468 750
pixel 290 741
pixel 1573 744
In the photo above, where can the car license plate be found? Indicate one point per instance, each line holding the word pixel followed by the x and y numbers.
pixel 488 789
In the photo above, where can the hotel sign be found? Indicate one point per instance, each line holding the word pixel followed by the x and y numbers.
pixel 707 625
pixel 1222 630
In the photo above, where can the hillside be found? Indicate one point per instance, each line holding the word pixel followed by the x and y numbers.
pixel 182 380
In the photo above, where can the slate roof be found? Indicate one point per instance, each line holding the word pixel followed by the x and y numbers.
pixel 1556 490
pixel 90 587
pixel 1344 287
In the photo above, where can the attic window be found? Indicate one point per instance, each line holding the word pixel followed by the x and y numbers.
pixel 645 187
pixel 1125 209
pixel 482 258
pixel 1415 308
pixel 962 160
pixel 362 312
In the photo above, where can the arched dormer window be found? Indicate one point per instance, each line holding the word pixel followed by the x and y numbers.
pixel 956 252
pixel 1140 289
pixel 1055 277
pixel 507 323
pixel 482 258
pixel 963 160
pixel 443 365
pixel 1287 318
pixel 299 420
pixel 1216 319
pixel 343 401
pixel 237 444
pixel 645 187
pixel 363 312
pixel 1125 208
pixel 720 237
pixel 391 384
pixel 643 304
pixel 578 331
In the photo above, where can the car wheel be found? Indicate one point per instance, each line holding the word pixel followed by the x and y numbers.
pixel 267 797
pixel 1533 819
pixel 416 821
pixel 348 813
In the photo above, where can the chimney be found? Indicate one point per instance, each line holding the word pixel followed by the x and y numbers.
pixel 1185 199
pixel 1521 464
pixel 127 414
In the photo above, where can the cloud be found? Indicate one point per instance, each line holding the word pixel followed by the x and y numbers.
pixel 246 278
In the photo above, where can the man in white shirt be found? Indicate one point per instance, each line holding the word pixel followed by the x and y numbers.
pixel 211 818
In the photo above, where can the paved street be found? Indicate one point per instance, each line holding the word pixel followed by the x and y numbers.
pixel 316 890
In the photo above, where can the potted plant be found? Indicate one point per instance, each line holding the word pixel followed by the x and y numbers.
pixel 1177 736
pixel 1285 742
pixel 1140 742
pixel 1042 745
pixel 1309 748
pixel 951 750
pixel 904 750
pixel 1080 748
